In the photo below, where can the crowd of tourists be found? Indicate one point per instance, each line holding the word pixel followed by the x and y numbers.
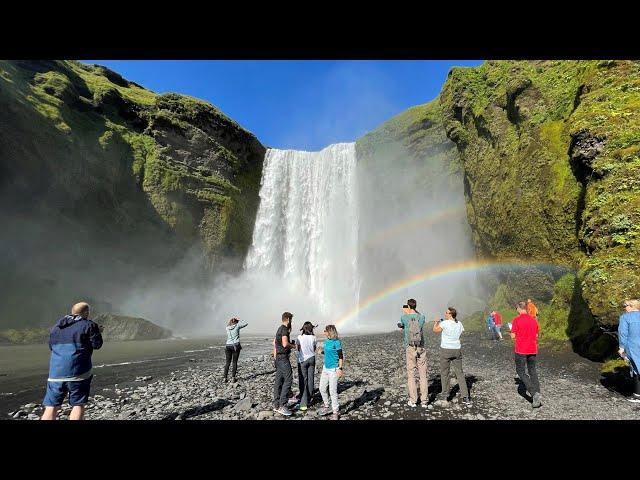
pixel 74 337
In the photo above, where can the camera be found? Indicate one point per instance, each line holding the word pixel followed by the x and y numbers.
pixel 405 306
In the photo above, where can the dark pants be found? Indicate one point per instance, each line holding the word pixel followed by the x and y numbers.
pixel 284 378
pixel 231 352
pixel 524 363
pixel 306 371
pixel 452 358
pixel 636 385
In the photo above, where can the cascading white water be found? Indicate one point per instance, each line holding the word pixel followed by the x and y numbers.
pixel 306 228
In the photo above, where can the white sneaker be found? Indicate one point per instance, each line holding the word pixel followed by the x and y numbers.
pixel 633 399
pixel 411 404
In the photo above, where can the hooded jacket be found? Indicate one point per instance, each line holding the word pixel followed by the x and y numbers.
pixel 233 333
pixel 72 341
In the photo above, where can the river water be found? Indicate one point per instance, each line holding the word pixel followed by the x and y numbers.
pixel 24 368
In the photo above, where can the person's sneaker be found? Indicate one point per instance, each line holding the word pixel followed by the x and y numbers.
pixel 411 404
pixel 467 401
pixel 302 408
pixel 323 411
pixel 537 401
pixel 634 399
pixel 335 416
pixel 424 404
pixel 284 411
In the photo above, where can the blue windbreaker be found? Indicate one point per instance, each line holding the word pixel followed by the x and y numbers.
pixel 72 342
pixel 629 337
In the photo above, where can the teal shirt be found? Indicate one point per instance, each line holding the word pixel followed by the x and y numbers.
pixel 331 347
pixel 404 320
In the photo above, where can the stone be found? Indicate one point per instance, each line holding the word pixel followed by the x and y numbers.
pixel 265 414
pixel 243 405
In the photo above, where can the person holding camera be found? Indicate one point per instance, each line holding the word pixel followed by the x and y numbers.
pixel 232 347
pixel 282 346
pixel 72 342
pixel 412 322
pixel 451 353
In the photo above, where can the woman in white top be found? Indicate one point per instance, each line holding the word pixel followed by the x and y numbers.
pixel 451 353
pixel 306 345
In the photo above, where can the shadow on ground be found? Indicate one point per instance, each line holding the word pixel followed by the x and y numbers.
pixel 200 410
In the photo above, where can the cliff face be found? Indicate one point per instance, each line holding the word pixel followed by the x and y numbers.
pixel 550 153
pixel 104 183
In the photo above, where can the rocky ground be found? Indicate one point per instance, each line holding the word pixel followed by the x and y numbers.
pixel 374 387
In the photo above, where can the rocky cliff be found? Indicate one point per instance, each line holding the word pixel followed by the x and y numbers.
pixel 120 327
pixel 551 159
pixel 104 183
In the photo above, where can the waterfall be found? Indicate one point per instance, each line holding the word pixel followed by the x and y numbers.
pixel 306 229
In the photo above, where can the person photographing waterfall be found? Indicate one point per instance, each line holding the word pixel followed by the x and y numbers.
pixel 412 322
pixel 451 353
pixel 232 347
pixel 72 342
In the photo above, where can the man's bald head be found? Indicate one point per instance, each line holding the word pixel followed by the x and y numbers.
pixel 81 308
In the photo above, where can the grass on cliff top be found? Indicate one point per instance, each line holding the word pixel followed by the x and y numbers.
pixel 97 82
pixel 402 127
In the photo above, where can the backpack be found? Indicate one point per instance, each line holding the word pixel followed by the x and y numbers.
pixel 415 332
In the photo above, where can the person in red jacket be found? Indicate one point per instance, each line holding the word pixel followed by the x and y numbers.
pixel 524 331
pixel 497 323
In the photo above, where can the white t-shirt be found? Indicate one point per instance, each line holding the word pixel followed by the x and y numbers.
pixel 451 331
pixel 307 347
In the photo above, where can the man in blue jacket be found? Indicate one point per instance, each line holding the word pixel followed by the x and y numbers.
pixel 72 341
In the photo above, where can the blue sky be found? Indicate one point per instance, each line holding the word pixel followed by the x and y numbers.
pixel 302 105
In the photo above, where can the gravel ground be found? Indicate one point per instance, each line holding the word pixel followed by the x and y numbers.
pixel 374 387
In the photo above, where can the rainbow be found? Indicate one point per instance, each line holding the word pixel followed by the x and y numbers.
pixel 415 224
pixel 430 274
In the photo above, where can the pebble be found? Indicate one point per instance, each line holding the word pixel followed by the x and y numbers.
pixel 374 388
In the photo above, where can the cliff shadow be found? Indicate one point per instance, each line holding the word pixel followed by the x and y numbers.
pixel 587 338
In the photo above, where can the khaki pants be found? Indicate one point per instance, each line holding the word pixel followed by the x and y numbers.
pixel 417 358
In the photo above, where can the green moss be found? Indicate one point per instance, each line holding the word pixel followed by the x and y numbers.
pixel 614 365
pixel 513 122
pixel 98 83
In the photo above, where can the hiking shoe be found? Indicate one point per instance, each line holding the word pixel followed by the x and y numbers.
pixel 284 411
pixel 536 400
pixel 411 404
pixel 467 401
pixel 335 416
pixel 323 411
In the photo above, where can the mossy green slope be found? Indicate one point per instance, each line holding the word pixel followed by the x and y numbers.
pixel 550 153
pixel 99 173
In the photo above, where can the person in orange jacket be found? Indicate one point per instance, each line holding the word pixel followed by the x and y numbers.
pixel 532 309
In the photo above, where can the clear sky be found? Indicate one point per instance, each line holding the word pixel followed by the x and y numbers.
pixel 302 105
